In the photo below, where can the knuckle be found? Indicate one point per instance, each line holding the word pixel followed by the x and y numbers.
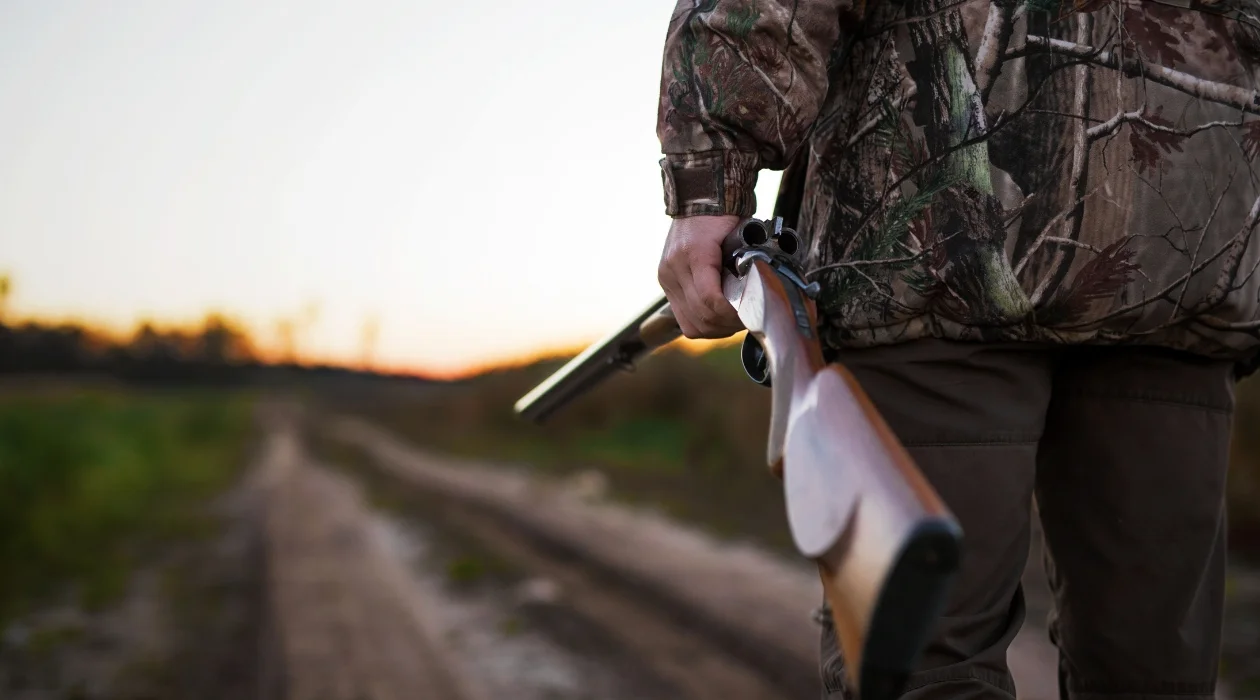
pixel 701 258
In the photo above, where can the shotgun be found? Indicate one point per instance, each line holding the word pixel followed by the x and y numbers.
pixel 885 546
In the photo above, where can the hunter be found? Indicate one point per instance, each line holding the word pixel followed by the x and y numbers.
pixel 1033 222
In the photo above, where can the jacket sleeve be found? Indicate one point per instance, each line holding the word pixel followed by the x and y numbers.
pixel 742 82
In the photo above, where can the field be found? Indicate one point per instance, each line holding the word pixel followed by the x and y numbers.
pixel 101 488
pixel 684 432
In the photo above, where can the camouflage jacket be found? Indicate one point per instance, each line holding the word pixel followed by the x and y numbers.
pixel 1064 171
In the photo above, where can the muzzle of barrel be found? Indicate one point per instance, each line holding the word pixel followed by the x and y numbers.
pixel 788 242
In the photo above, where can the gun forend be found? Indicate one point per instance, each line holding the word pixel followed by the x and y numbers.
pixel 646 332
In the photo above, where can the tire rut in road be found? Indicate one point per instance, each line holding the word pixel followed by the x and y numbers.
pixel 689 654
pixel 342 630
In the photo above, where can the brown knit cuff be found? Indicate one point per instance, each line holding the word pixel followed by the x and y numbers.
pixel 713 182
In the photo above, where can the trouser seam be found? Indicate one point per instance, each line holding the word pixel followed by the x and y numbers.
pixel 970 443
pixel 999 681
pixel 1154 400
pixel 1078 695
pixel 1160 688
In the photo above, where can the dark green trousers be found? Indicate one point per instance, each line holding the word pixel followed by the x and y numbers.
pixel 1124 452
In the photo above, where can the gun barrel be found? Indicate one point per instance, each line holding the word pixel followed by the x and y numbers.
pixel 651 329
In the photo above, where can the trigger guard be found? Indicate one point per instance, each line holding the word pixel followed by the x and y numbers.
pixel 753 357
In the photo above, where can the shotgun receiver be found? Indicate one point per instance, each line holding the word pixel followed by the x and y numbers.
pixel 885 546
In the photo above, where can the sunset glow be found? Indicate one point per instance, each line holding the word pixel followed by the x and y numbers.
pixel 426 187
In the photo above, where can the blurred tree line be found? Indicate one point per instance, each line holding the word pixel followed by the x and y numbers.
pixel 215 352
pixel 220 351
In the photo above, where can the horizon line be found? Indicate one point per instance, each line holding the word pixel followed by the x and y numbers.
pixel 122 333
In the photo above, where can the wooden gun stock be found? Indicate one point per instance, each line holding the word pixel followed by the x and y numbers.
pixel 885 546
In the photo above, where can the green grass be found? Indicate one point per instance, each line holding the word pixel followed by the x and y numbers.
pixel 89 481
pixel 646 443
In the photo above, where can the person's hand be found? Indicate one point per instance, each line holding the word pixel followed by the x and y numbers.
pixel 691 275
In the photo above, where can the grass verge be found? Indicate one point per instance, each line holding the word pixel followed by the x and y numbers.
pixel 91 480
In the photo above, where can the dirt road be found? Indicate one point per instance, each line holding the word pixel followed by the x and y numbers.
pixel 347 624
pixel 352 621
pixel 603 600
pixel 660 610
pixel 354 566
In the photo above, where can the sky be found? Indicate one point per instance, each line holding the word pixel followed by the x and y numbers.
pixel 477 180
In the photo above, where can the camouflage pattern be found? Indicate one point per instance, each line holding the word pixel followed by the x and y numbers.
pixel 1063 171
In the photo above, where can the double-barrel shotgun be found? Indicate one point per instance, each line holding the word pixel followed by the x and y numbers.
pixel 885 545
